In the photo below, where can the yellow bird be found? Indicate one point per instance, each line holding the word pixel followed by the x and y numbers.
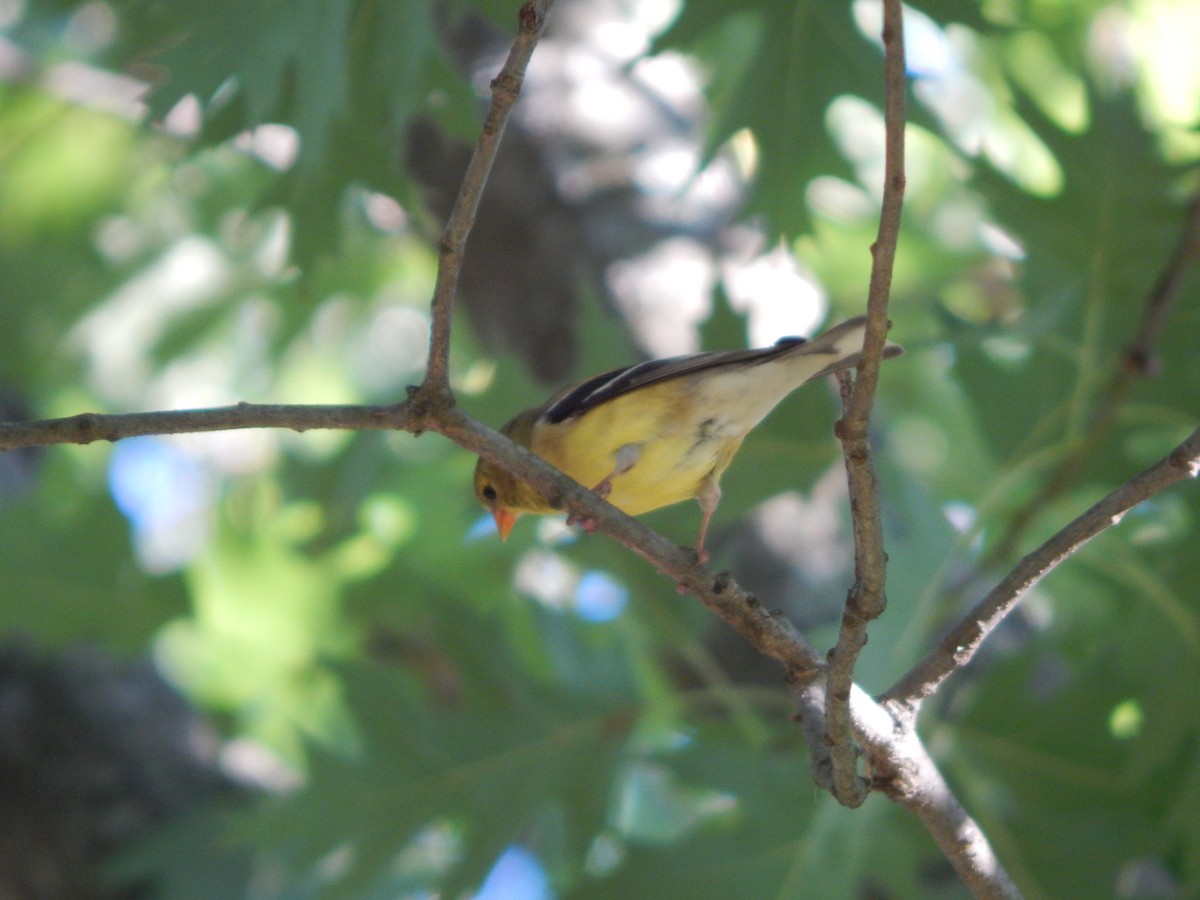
pixel 662 431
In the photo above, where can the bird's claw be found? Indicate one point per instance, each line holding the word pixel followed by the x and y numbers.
pixel 587 523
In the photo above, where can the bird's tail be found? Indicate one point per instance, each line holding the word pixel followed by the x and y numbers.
pixel 842 344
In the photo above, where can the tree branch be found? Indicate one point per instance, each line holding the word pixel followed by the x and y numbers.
pixel 957 648
pixel 506 88
pixel 89 427
pixel 1140 357
pixel 902 768
pixel 867 597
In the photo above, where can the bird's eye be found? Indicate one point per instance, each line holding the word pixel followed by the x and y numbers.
pixel 489 492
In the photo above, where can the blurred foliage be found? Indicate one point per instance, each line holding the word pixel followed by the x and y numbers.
pixel 425 697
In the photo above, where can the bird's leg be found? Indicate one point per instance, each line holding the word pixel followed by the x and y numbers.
pixel 625 459
pixel 708 497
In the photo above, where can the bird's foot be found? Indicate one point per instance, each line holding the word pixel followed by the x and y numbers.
pixel 702 558
pixel 587 523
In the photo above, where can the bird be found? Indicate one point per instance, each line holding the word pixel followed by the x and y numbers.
pixel 662 431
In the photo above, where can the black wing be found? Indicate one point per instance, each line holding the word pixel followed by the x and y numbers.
pixel 610 385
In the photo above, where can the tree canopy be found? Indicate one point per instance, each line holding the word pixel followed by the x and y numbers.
pixel 203 204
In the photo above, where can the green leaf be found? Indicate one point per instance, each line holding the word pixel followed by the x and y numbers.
pixel 347 75
pixel 776 65
pixel 494 765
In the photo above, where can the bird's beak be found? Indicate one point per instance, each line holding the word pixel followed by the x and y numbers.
pixel 505 519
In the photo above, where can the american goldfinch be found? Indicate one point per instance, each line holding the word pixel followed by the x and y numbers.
pixel 662 431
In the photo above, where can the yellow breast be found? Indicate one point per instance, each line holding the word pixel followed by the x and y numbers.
pixel 680 442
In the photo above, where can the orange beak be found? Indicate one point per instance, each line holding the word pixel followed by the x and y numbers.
pixel 505 519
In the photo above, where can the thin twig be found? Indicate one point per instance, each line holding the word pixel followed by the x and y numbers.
pixel 867 597
pixel 957 648
pixel 506 88
pixel 89 427
pixel 1140 357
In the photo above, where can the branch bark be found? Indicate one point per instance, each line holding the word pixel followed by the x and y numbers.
pixel 957 648
pixel 902 769
pixel 506 88
pixel 89 427
pixel 867 597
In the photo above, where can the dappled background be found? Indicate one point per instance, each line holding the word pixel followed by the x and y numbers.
pixel 277 665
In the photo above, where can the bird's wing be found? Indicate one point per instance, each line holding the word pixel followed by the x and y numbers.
pixel 578 399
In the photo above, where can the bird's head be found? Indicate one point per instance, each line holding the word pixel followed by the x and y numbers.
pixel 501 492
pixel 496 490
